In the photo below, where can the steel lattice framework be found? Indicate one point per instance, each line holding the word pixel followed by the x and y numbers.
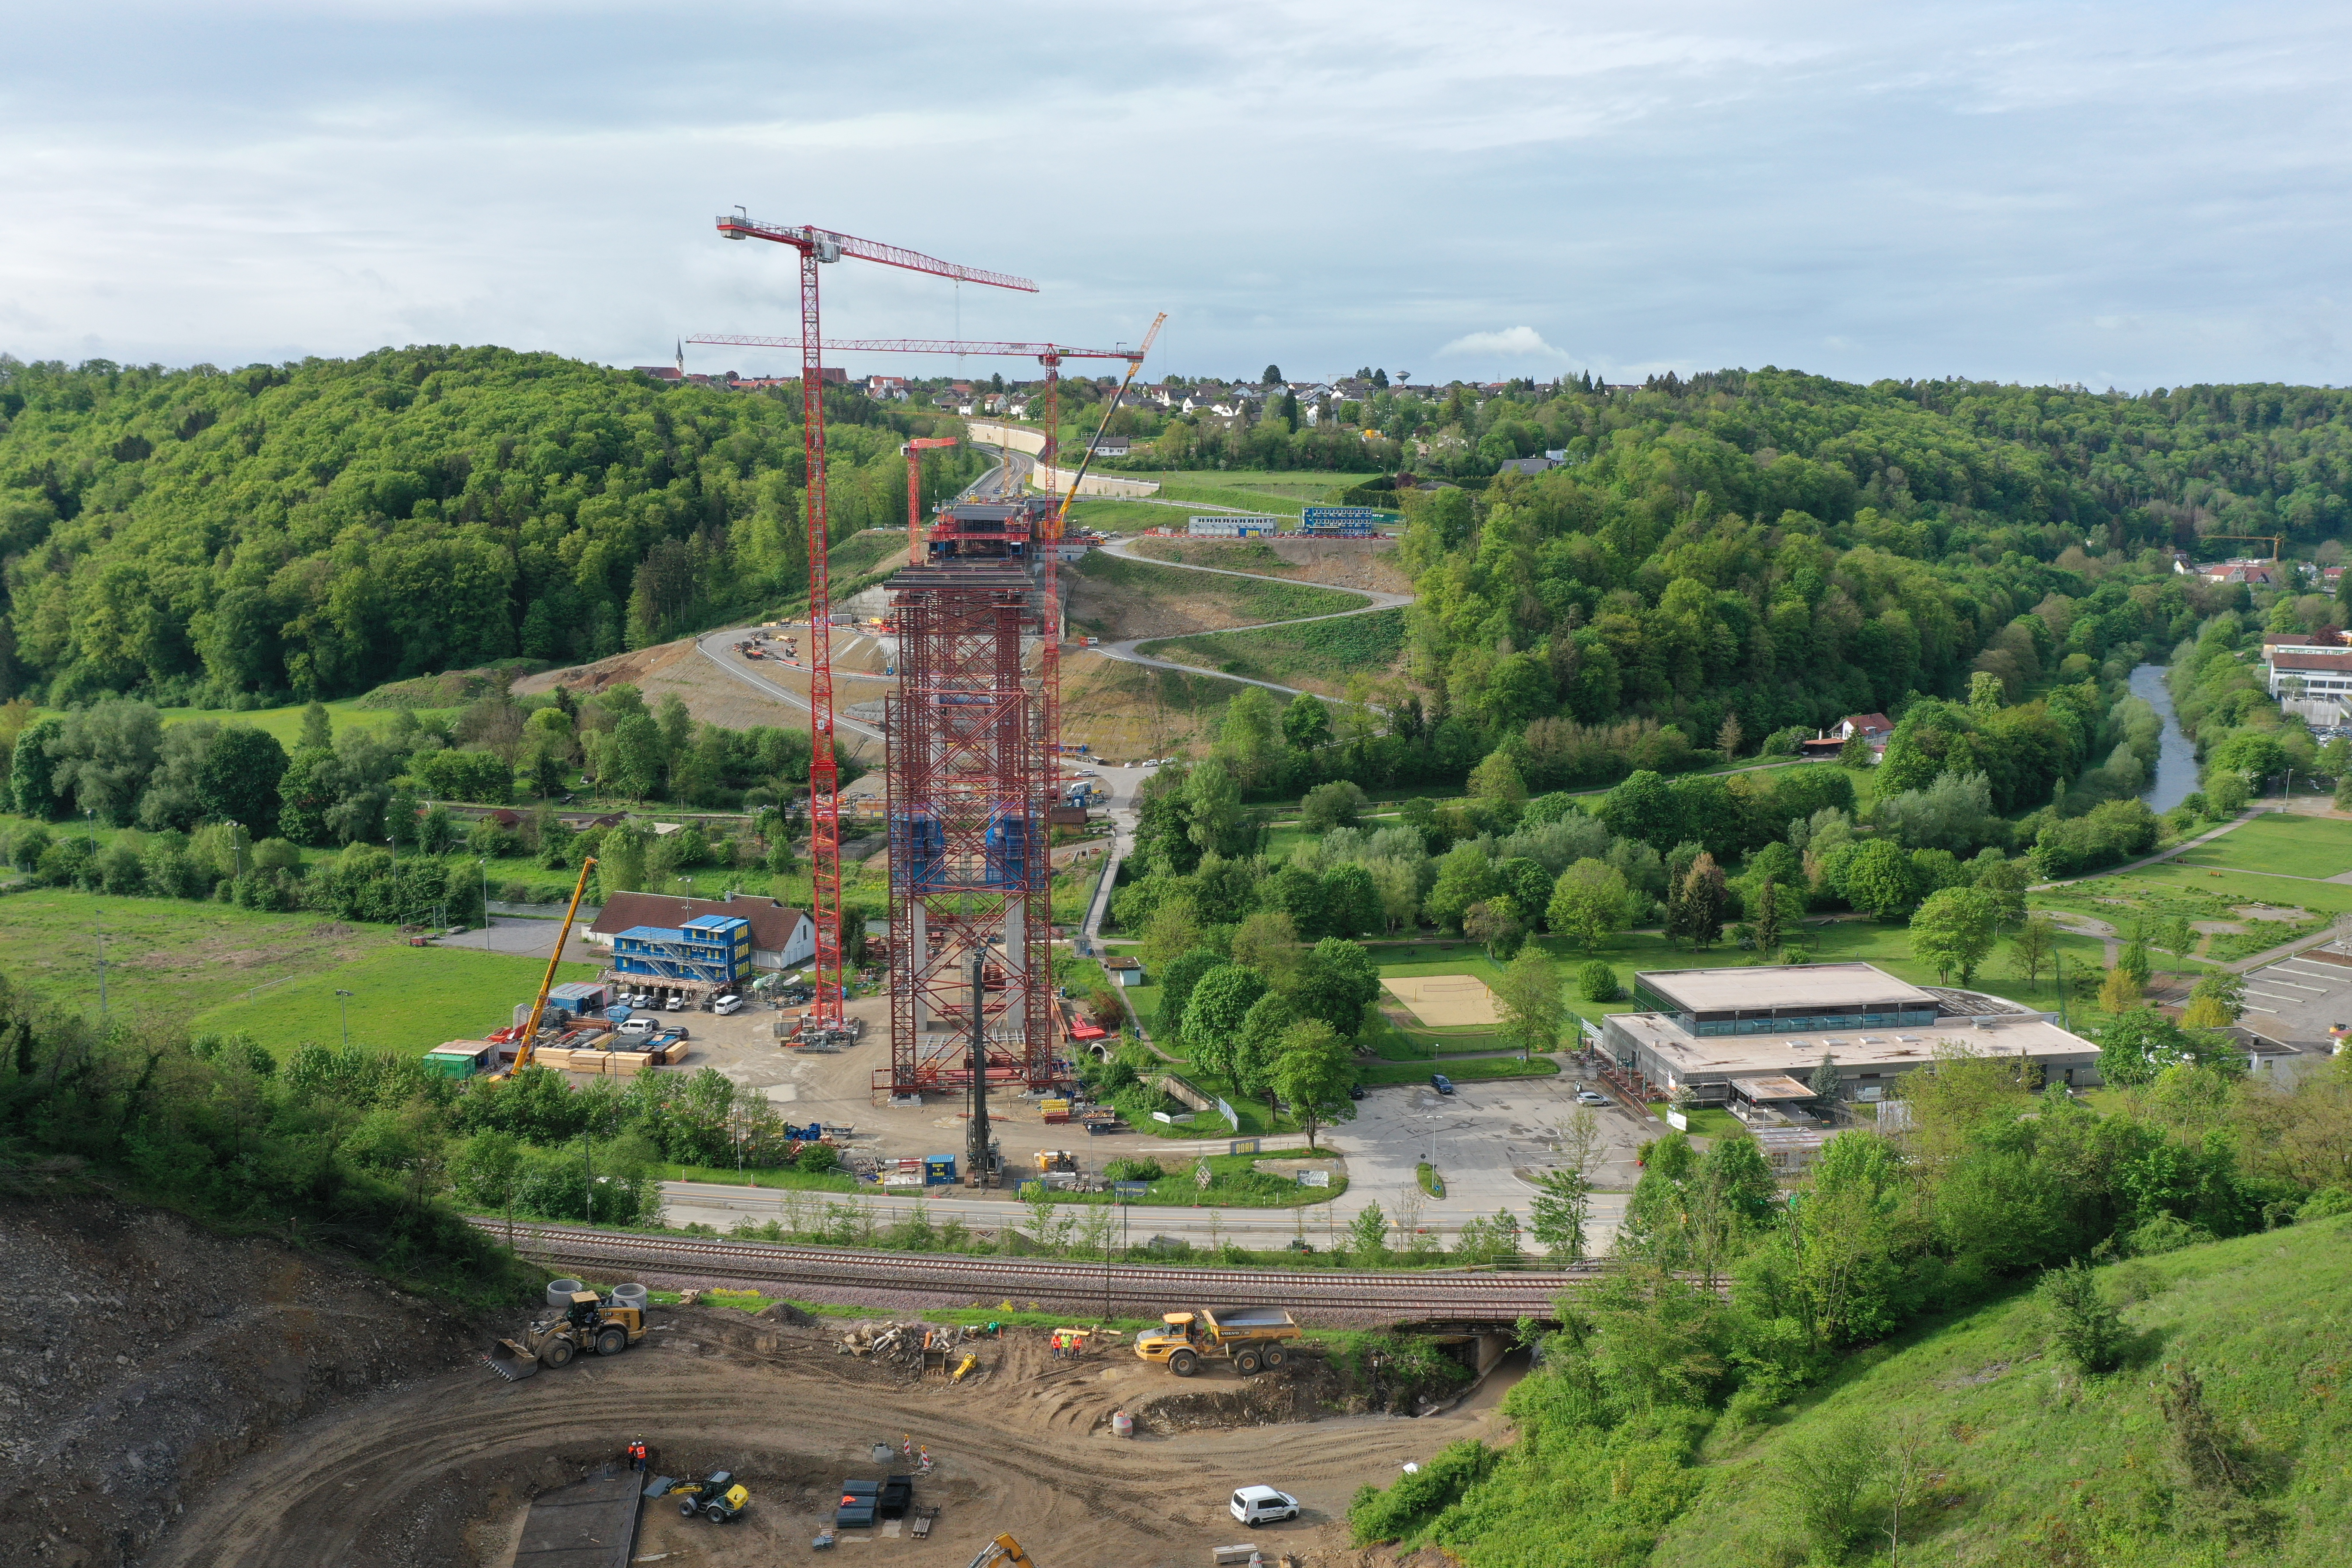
pixel 970 781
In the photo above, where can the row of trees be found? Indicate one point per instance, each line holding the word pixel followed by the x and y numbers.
pixel 118 763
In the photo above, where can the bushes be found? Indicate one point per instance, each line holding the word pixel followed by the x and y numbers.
pixel 477 776
pixel 1597 981
pixel 1410 1504
pixel 2089 1330
pixel 2115 831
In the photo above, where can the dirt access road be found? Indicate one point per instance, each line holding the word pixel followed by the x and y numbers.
pixel 442 1473
pixel 1125 649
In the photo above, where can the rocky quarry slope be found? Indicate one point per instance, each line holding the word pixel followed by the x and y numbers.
pixel 148 1355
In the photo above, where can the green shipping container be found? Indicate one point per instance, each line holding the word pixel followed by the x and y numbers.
pixel 444 1062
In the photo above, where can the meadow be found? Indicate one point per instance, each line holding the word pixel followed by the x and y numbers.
pixel 1318 654
pixel 2308 848
pixel 403 999
pixel 274 976
pixel 2023 1460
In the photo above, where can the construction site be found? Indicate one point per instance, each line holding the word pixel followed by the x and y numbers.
pixel 277 1408
pixel 677 1406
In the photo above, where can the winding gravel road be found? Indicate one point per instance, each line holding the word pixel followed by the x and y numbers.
pixel 1126 651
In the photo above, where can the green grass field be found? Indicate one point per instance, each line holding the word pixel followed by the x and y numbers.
pixel 2027 1461
pixel 164 956
pixel 402 998
pixel 1247 598
pixel 866 550
pixel 215 967
pixel 1125 516
pixel 1274 490
pixel 286 724
pixel 2281 845
pixel 1321 654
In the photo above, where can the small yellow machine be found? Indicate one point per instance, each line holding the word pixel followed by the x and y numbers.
pixel 1002 1553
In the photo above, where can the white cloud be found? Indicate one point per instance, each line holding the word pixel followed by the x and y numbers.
pixel 1516 345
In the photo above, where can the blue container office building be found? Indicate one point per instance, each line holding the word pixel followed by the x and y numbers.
pixel 715 948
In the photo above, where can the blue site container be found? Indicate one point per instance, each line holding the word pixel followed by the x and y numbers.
pixel 1339 522
pixel 938 1170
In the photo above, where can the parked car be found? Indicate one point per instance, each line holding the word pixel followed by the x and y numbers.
pixel 726 1004
pixel 1440 1083
pixel 1354 1091
pixel 676 1004
pixel 638 1026
pixel 1255 1505
pixel 1587 1097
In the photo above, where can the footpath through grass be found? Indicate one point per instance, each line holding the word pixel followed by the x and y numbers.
pixel 1245 598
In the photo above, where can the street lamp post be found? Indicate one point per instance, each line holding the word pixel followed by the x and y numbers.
pixel 484 864
pixel 101 973
pixel 343 1002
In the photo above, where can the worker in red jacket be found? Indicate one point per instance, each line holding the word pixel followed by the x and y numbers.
pixel 637 1453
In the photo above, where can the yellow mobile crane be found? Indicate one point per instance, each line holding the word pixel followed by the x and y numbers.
pixel 539 1004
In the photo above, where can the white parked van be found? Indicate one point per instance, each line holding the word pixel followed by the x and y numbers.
pixel 638 1026
pixel 1255 1505
pixel 726 1004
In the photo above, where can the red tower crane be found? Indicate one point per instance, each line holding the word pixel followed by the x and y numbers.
pixel 915 450
pixel 818 247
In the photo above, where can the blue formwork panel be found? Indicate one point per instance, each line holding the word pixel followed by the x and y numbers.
pixel 1012 839
pixel 919 847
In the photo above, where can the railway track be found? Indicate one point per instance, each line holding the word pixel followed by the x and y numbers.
pixel 1337 1295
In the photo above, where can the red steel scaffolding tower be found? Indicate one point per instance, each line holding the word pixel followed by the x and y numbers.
pixel 970 782
pixel 816 247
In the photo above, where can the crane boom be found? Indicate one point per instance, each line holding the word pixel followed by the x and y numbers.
pixel 827 246
pixel 919 346
pixel 547 982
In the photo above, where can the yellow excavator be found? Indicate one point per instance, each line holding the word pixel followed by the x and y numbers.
pixel 529 1035
pixel 1002 1553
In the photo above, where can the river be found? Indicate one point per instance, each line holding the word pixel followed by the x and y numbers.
pixel 2176 759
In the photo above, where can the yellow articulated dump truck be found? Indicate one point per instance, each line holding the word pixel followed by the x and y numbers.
pixel 1252 1338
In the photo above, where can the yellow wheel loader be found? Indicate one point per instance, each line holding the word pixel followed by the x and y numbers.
pixel 589 1324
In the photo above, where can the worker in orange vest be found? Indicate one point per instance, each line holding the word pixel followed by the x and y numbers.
pixel 637 1452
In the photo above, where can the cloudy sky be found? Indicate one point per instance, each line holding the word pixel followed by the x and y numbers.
pixel 2126 193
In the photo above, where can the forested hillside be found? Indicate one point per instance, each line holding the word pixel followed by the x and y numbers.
pixel 1788 549
pixel 225 538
